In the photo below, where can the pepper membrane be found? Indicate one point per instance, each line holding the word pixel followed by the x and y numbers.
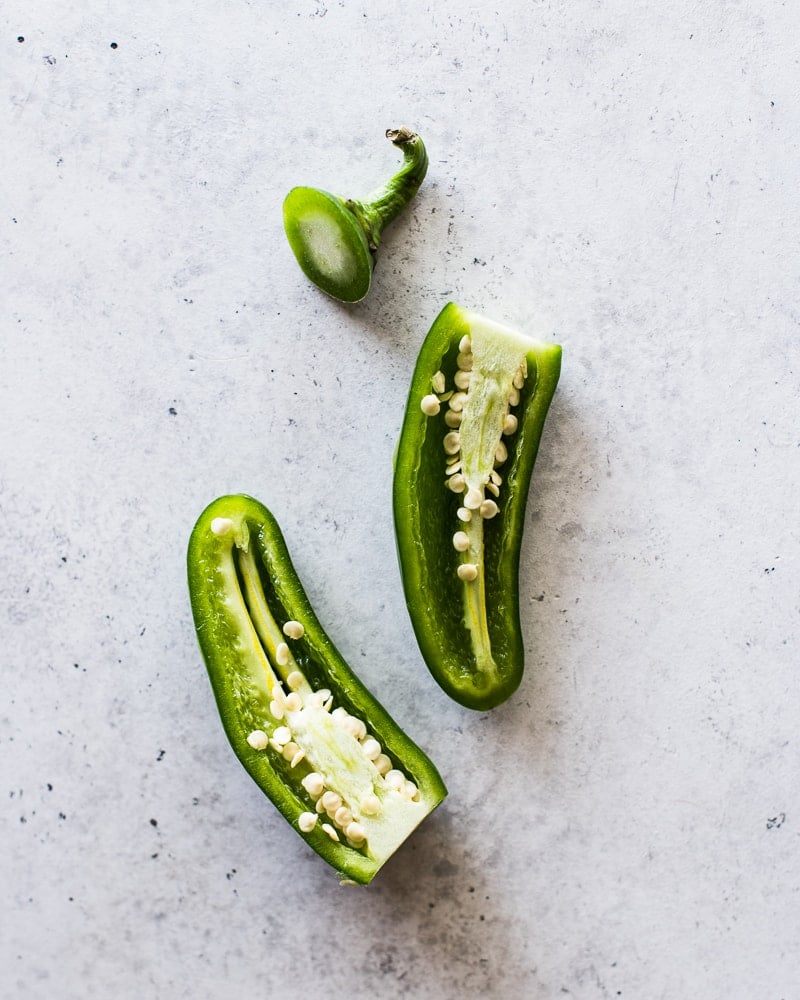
pixel 476 409
pixel 308 732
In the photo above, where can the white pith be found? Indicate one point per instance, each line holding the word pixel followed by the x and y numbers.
pixel 325 248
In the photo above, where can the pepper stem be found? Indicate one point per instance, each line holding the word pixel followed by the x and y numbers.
pixel 385 203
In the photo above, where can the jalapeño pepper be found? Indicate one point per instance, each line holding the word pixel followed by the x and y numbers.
pixel 335 240
pixel 476 409
pixel 307 731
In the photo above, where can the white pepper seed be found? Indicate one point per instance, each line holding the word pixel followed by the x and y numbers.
pixel 282 654
pixel 464 515
pixel 339 714
pixel 467 572
pixel 465 344
pixel 371 749
pixel 513 397
pixel 488 509
pixel 457 401
pixel 278 747
pixel 307 822
pixel 456 483
pixel 464 361
pixel 453 418
pixel 300 755
pixel 452 442
pixel 319 807
pixel 342 817
pixel 395 779
pixel 258 739
pixel 313 784
pixel 293 702
pixel 370 805
pixel 328 704
pixel 518 381
pixel 221 525
pixel 510 424
pixel 276 710
pixel 473 499
pixel 501 453
pixel 294 630
pixel 294 680
pixel 355 833
pixel 410 790
pixel 330 831
pixel 430 405
pixel 461 541
pixel 453 467
pixel 438 382
pixel 493 489
pixel 290 750
pixel 495 477
pixel 282 735
pixel 331 801
pixel 462 379
pixel 383 764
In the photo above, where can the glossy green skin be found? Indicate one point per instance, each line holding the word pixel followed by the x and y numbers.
pixel 425 520
pixel 316 655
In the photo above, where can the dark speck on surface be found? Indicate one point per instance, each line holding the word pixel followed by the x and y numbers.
pixel 173 411
pixel 20 38
pixel 153 822
pixel 113 45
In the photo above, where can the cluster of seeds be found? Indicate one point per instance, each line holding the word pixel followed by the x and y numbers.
pixel 475 503
pixel 328 803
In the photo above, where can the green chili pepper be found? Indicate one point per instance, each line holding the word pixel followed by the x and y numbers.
pixel 477 405
pixel 304 727
pixel 335 240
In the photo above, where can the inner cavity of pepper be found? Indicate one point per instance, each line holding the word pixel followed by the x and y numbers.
pixel 475 405
pixel 342 772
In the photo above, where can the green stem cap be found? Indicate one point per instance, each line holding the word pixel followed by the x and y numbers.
pixel 335 240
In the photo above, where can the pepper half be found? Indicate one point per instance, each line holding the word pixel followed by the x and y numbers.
pixel 476 409
pixel 308 732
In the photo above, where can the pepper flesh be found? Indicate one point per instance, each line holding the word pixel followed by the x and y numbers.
pixel 243 590
pixel 467 620
pixel 335 240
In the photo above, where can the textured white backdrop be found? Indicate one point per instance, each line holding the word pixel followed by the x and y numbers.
pixel 620 177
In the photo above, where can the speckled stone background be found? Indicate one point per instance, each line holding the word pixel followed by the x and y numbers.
pixel 620 177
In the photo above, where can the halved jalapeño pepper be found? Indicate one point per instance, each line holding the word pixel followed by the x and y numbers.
pixel 304 727
pixel 478 401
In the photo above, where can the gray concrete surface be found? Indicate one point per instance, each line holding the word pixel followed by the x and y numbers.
pixel 619 177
